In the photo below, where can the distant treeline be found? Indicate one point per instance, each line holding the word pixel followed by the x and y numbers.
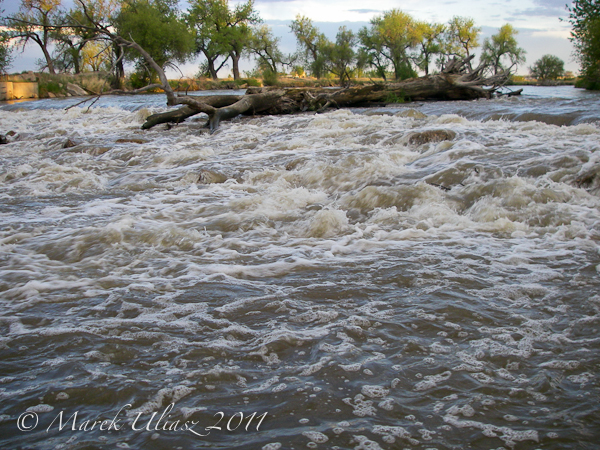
pixel 394 45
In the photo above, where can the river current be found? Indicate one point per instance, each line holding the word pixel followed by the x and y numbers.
pixel 308 281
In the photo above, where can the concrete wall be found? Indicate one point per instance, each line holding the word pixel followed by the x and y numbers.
pixel 6 90
pixel 11 91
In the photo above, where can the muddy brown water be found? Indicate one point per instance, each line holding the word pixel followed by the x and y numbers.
pixel 343 288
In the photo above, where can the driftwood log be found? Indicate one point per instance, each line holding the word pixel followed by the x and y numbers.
pixel 455 82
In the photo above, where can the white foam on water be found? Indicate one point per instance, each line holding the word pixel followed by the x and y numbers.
pixel 509 436
pixel 336 253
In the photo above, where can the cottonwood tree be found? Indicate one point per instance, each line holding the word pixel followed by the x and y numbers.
pixel 431 43
pixel 265 48
pixel 156 26
pixel 341 54
pixel 312 43
pixel 205 19
pixel 96 56
pixel 75 32
pixel 36 21
pixel 6 57
pixel 238 32
pixel 584 16
pixel 222 32
pixel 393 35
pixel 548 67
pixel 371 52
pixel 501 52
pixel 462 36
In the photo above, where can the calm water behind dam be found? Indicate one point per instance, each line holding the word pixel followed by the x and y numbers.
pixel 344 288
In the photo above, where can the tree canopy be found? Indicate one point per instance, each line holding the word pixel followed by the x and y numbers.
pixel 156 26
pixel 584 16
pixel 393 46
pixel 501 51
pixel 462 36
pixel 221 32
pixel 397 33
pixel 431 43
pixel 548 67
pixel 313 44
pixel 35 22
pixel 74 31
pixel 5 49
pixel 265 48
pixel 341 54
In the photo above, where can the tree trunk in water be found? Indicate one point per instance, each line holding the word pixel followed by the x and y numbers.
pixel 455 83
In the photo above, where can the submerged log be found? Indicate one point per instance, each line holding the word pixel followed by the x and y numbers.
pixel 510 93
pixel 456 82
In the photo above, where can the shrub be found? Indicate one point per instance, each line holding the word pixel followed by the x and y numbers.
pixel 270 77
pixel 392 97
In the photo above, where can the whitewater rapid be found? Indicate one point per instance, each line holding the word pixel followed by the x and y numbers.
pixel 363 290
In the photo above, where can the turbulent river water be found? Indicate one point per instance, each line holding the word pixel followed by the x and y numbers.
pixel 346 286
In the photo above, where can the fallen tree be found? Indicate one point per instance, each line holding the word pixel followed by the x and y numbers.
pixel 455 82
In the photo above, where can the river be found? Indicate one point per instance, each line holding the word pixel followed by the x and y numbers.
pixel 344 288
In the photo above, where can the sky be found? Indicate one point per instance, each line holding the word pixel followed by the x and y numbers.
pixel 538 22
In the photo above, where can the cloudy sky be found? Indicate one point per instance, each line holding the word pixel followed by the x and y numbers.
pixel 540 30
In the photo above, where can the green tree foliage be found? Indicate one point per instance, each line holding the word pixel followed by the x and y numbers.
pixel 585 19
pixel 238 32
pixel 313 44
pixel 431 43
pixel 222 32
pixel 36 22
pixel 156 27
pixel 461 36
pixel 6 57
pixel 371 52
pixel 76 31
pixel 265 48
pixel 502 52
pixel 207 18
pixel 388 41
pixel 548 67
pixel 341 55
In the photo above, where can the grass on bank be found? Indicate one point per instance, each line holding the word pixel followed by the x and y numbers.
pixel 57 84
pixel 97 82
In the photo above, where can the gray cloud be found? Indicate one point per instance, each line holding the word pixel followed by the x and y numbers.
pixel 544 8
pixel 365 11
pixel 558 4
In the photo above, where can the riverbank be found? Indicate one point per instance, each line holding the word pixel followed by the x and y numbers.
pixel 522 81
pixel 69 85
